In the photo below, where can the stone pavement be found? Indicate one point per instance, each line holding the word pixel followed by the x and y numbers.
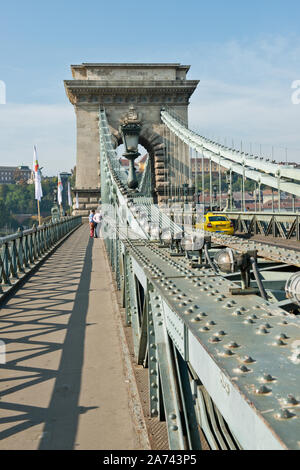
pixel 64 385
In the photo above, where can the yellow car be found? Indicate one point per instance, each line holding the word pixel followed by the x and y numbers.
pixel 217 223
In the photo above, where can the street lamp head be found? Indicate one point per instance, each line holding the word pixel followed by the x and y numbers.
pixel 130 130
pixel 130 134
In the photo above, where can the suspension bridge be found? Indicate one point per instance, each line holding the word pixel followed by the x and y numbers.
pixel 160 334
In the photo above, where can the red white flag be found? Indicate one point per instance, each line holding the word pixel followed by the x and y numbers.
pixel 37 176
pixel 59 190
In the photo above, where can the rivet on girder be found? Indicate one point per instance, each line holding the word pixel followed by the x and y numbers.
pixel 282 336
pixel 196 319
pixel 253 316
pixel 228 352
pixel 189 311
pixel 263 390
pixel 237 312
pixel 243 369
pixel 214 339
pixel 204 329
pixel 279 342
pixel 262 331
pixel 268 378
pixel 291 400
pixel 248 360
pixel 285 414
pixel 266 325
pixel 229 305
pixel 174 428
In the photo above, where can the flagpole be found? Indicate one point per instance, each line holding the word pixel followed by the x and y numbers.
pixel 37 182
pixel 39 214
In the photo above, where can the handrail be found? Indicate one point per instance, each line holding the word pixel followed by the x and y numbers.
pixel 20 251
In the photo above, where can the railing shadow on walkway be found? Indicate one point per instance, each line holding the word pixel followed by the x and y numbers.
pixel 61 416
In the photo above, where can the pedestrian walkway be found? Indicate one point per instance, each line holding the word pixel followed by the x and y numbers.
pixel 64 385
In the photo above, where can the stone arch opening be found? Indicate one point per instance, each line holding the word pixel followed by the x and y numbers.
pixel 154 145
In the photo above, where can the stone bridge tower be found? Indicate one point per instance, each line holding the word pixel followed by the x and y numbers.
pixel 148 87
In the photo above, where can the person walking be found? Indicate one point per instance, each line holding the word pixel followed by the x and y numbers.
pixel 92 223
pixel 97 221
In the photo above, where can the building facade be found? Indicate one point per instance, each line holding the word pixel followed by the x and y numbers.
pixel 196 164
pixel 14 174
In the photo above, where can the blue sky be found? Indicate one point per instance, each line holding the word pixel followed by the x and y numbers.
pixel 246 54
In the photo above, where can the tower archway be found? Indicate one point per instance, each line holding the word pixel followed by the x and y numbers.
pixel 116 87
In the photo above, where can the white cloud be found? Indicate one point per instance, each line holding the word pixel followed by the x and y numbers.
pixel 50 127
pixel 245 94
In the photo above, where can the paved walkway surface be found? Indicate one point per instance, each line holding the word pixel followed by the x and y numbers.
pixel 63 385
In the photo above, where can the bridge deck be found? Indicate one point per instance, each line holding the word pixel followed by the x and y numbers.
pixel 64 385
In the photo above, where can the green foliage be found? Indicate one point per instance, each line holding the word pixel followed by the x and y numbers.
pixel 19 199
pixel 236 182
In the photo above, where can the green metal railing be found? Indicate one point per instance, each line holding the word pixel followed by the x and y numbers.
pixel 21 251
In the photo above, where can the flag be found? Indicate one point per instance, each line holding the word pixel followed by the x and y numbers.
pixel 59 189
pixel 69 195
pixel 77 202
pixel 37 176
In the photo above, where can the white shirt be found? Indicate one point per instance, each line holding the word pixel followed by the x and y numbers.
pixel 97 218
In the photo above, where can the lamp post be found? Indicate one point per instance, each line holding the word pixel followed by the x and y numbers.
pixel 55 209
pixel 215 194
pixel 229 193
pixel 185 192
pixel 130 130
